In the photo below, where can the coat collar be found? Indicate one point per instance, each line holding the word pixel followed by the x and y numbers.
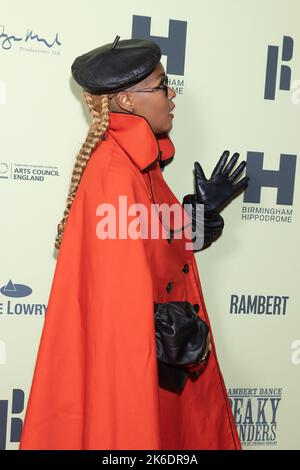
pixel 135 135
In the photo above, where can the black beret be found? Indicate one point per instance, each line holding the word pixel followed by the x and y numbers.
pixel 115 66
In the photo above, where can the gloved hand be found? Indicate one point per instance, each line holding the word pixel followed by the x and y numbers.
pixel 196 370
pixel 216 192
pixel 211 227
pixel 182 343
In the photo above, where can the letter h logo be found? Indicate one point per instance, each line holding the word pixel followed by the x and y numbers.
pixel 283 179
pixel 285 70
pixel 172 46
pixel 16 423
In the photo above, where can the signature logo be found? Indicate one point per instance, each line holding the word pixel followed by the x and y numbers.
pixel 8 40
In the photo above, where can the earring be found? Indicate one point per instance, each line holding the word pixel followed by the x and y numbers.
pixel 131 110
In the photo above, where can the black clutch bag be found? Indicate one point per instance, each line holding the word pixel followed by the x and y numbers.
pixel 180 343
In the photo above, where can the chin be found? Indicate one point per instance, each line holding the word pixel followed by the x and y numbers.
pixel 164 130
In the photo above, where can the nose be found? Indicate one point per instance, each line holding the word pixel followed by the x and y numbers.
pixel 171 92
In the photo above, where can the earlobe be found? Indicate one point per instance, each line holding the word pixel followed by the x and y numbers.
pixel 131 107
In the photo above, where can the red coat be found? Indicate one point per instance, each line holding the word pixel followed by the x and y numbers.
pixel 95 382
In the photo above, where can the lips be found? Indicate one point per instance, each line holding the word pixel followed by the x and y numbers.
pixel 171 115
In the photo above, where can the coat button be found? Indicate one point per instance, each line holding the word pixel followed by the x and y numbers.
pixel 186 268
pixel 196 307
pixel 170 286
pixel 170 238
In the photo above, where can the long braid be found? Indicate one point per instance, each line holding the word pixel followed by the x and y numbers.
pixel 99 109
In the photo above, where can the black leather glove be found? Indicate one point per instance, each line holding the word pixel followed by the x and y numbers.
pixel 207 230
pixel 221 188
pixel 182 343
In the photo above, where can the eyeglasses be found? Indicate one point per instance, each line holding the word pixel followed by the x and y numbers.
pixel 163 86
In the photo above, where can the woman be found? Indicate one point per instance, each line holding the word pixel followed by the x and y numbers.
pixel 95 383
